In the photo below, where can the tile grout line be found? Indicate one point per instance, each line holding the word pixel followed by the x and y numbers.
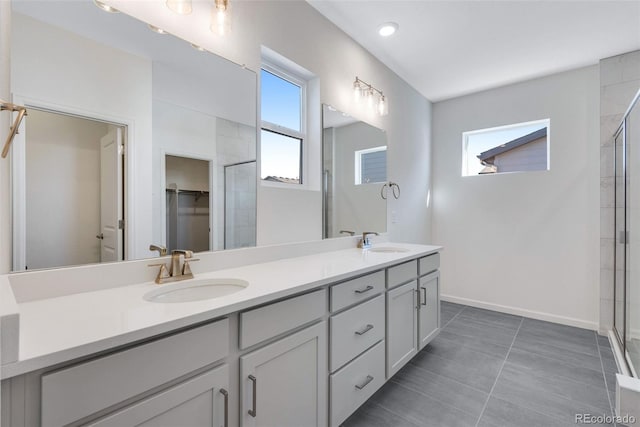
pixel 604 375
pixel 499 373
pixel 454 317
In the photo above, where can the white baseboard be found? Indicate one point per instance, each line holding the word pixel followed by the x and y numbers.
pixel 563 320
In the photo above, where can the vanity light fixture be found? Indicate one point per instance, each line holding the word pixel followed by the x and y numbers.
pixel 371 95
pixel 387 29
pixel 105 7
pixel 157 29
pixel 181 7
pixel 221 17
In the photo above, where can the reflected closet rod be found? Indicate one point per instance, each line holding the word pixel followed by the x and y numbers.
pixel 13 130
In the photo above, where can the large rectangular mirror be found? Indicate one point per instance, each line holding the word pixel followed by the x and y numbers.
pixel 134 140
pixel 354 175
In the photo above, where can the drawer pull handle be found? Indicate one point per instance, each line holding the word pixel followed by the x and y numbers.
pixel 362 291
pixel 365 330
pixel 225 393
pixel 253 411
pixel 365 383
pixel 424 295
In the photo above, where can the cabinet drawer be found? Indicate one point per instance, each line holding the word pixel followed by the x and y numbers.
pixel 429 263
pixel 84 389
pixel 402 273
pixel 356 290
pixel 274 319
pixel 355 330
pixel 352 385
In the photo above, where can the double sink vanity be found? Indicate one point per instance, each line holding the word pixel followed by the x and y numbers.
pixel 268 340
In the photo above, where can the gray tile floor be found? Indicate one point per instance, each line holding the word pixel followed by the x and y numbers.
pixel 493 369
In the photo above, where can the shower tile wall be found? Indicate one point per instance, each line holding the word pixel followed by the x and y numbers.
pixel 235 143
pixel 619 82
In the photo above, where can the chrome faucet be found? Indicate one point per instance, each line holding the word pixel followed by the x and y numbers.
pixel 364 242
pixel 175 272
pixel 349 232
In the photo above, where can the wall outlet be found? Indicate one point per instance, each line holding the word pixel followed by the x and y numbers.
pixel 394 217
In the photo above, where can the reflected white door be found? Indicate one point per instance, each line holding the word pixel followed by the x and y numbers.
pixel 110 196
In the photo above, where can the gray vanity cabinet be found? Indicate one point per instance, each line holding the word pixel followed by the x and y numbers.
pixel 202 401
pixel 429 308
pixel 284 384
pixel 402 322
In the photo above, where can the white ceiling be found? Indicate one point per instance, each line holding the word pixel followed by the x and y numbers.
pixel 450 48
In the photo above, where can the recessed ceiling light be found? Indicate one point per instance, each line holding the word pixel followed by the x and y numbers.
pixel 387 29
pixel 105 7
pixel 331 108
pixel 157 29
pixel 198 48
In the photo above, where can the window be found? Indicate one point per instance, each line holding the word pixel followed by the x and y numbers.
pixel 521 147
pixel 371 165
pixel 283 126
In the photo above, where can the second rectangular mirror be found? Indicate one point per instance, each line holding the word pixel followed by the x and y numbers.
pixel 354 173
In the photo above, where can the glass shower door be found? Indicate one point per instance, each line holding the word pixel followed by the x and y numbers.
pixel 632 255
pixel 240 205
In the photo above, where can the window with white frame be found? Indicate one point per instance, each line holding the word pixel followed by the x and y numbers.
pixel 371 165
pixel 283 128
pixel 520 147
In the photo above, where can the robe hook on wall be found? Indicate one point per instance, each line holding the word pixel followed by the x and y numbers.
pixel 13 130
pixel 395 190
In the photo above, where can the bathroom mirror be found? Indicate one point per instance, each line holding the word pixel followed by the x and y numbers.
pixel 354 156
pixel 133 138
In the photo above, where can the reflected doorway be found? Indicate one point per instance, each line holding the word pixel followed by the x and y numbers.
pixel 69 187
pixel 188 205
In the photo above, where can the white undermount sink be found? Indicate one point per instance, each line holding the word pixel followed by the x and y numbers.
pixel 195 290
pixel 388 249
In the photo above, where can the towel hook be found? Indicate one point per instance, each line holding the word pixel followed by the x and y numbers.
pixel 13 130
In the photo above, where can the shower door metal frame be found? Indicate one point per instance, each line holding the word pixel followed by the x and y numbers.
pixel 620 335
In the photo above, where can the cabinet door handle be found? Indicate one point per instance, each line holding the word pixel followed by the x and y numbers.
pixel 225 393
pixel 417 294
pixel 365 330
pixel 364 384
pixel 424 295
pixel 253 411
pixel 362 291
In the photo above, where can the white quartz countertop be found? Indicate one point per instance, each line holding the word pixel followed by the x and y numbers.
pixel 60 329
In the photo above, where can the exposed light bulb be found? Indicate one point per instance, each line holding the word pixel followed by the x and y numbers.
pixel 370 98
pixel 181 7
pixel 357 92
pixel 221 18
pixel 382 106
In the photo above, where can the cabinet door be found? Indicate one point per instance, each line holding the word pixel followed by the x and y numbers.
pixel 429 311
pixel 198 402
pixel 402 333
pixel 284 384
